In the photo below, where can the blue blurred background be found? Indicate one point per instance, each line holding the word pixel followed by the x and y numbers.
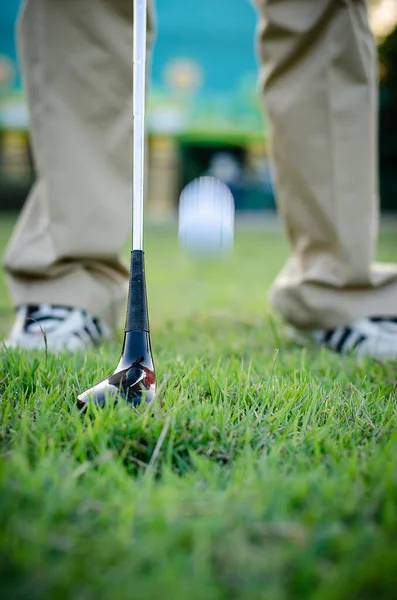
pixel 204 111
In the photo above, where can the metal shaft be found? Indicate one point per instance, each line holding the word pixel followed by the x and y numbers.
pixel 139 83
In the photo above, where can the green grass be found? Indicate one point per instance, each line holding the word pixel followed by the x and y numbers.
pixel 269 472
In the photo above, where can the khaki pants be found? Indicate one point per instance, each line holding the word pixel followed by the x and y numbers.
pixel 319 85
pixel 77 64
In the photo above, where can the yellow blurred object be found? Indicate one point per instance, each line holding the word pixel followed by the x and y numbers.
pixel 163 176
pixel 14 156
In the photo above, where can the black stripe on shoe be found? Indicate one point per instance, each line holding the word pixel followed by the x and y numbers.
pixel 383 319
pixel 95 341
pixel 97 325
pixel 361 338
pixel 328 336
pixel 339 346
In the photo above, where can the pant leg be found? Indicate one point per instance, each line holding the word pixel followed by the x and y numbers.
pixel 77 58
pixel 319 82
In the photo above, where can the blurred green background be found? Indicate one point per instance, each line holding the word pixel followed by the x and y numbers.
pixel 204 113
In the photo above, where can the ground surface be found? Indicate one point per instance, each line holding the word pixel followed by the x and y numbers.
pixel 270 472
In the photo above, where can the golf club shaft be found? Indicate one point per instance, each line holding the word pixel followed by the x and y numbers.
pixel 139 83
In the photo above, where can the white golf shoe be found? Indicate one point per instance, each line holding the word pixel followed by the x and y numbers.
pixel 56 328
pixel 374 337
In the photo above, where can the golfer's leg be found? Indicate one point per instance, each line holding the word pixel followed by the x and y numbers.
pixel 319 82
pixel 77 65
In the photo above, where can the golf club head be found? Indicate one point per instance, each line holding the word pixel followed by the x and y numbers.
pixel 133 381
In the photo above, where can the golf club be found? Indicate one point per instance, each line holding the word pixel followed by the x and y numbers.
pixel 134 378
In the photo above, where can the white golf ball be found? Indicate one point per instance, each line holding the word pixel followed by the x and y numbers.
pixel 206 218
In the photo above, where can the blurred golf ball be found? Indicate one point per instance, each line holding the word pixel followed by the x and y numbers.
pixel 206 218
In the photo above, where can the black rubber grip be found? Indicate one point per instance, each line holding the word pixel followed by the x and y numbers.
pixel 137 310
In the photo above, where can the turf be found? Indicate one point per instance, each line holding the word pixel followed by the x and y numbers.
pixel 269 471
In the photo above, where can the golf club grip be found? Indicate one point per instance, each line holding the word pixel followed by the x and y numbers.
pixel 137 309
